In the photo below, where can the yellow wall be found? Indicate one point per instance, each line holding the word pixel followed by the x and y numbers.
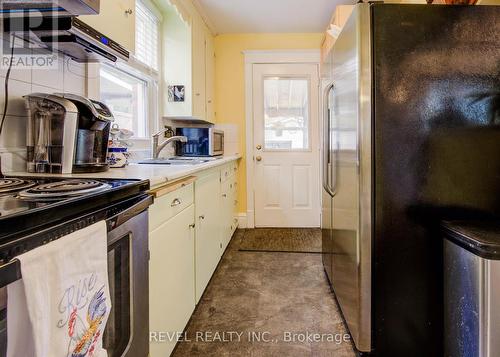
pixel 230 81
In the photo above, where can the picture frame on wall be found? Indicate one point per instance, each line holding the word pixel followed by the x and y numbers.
pixel 176 93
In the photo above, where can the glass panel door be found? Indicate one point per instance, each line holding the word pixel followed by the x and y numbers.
pixel 286 114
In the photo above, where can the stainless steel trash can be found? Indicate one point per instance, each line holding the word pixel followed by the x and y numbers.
pixel 472 289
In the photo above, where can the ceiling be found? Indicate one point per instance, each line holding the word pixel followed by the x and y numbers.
pixel 250 16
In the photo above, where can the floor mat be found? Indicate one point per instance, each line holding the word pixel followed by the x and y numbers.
pixel 289 240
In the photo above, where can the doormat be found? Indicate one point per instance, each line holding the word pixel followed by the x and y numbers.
pixel 284 240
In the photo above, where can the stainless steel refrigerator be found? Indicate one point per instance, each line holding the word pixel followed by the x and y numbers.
pixel 411 137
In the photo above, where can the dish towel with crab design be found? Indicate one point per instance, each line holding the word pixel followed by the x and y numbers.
pixel 61 305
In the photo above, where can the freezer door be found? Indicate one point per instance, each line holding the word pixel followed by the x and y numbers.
pixel 327 192
pixel 351 175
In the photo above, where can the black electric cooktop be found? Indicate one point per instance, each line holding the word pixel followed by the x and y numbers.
pixel 28 204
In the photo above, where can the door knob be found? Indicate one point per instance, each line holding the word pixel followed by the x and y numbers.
pixel 259 147
pixel 258 158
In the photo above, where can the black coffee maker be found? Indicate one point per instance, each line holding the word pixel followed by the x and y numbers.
pixel 67 133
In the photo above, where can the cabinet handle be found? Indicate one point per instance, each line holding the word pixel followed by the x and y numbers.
pixel 175 202
pixel 235 202
pixel 192 225
pixel 129 12
pixel 202 216
pixel 224 195
pixel 197 94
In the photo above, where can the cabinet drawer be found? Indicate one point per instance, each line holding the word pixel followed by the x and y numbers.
pixel 167 206
pixel 234 185
pixel 229 171
pixel 225 173
pixel 233 167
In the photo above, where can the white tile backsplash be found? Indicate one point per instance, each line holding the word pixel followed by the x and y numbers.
pixel 52 78
pixel 69 77
pixel 231 138
pixel 13 159
pixel 14 132
pixel 20 74
pixel 75 75
pixel 230 131
pixel 16 101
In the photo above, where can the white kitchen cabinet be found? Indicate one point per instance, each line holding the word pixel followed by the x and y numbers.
pixel 190 226
pixel 210 76
pixel 208 228
pixel 167 206
pixel 116 20
pixel 199 70
pixel 229 220
pixel 171 267
pixel 190 61
pixel 171 278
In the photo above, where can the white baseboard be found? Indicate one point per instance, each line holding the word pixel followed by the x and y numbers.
pixel 250 219
pixel 242 220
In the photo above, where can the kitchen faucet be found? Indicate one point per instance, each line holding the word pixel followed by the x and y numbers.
pixel 157 148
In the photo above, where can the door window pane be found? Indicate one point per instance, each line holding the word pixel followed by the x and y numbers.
pixel 126 97
pixel 286 114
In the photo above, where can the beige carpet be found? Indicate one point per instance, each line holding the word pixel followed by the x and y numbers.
pixel 290 240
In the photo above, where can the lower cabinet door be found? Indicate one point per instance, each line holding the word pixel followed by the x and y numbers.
pixel 208 229
pixel 228 209
pixel 171 281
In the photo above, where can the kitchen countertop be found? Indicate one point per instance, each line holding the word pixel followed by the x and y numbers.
pixel 156 174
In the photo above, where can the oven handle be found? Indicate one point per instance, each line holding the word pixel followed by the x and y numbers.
pixel 11 271
pixel 122 217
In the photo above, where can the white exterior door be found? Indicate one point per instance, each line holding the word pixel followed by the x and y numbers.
pixel 286 145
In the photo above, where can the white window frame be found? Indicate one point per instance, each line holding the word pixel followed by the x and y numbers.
pixel 136 62
pixel 139 70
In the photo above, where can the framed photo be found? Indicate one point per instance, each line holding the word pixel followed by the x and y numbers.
pixel 176 93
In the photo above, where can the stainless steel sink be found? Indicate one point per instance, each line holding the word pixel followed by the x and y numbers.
pixel 176 161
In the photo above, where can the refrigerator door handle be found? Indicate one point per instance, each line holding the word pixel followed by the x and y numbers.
pixel 326 133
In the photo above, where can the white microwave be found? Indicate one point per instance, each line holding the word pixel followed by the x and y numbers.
pixel 200 142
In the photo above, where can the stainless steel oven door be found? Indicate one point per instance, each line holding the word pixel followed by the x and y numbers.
pixel 127 329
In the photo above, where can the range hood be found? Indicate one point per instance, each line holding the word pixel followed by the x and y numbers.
pixel 68 35
pixel 52 7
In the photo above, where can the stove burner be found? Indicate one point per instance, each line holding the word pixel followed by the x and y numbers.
pixel 63 189
pixel 14 184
